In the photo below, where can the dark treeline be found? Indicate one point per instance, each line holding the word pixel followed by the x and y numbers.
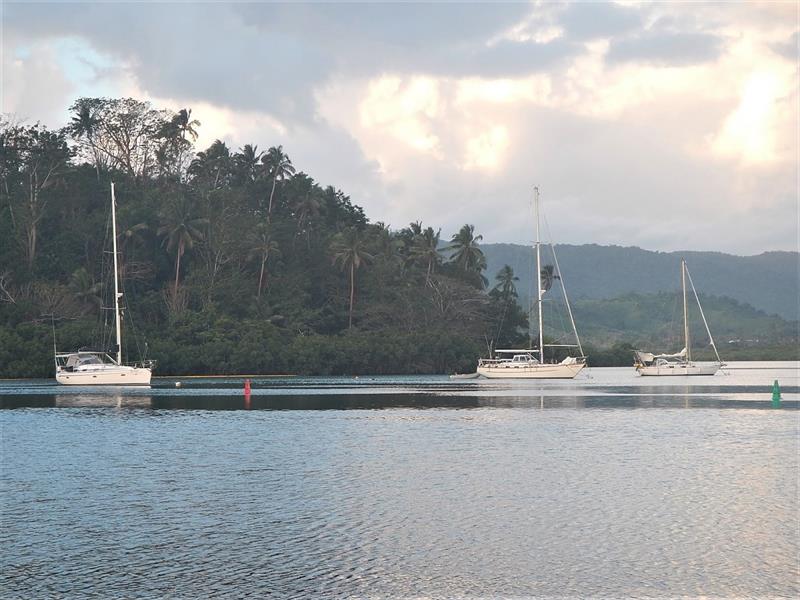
pixel 233 259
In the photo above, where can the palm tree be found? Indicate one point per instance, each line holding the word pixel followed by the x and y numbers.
pixel 129 235
pixel 307 209
pixel 278 166
pixel 467 254
pixel 386 243
pixel 263 247
pixel 213 165
pixel 505 283
pixel 348 250
pixel 85 124
pixel 180 230
pixel 547 276
pixel 185 124
pixel 86 291
pixel 425 250
pixel 247 160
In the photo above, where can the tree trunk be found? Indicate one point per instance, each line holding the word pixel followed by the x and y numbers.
pixel 261 275
pixel 269 208
pixel 177 270
pixel 352 293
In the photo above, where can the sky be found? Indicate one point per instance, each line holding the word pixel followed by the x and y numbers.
pixel 668 126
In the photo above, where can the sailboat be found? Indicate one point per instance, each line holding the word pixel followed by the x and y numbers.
pixel 90 367
pixel 680 363
pixel 530 363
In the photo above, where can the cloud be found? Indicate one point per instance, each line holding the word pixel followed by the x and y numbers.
pixel 634 119
pixel 789 49
pixel 592 20
pixel 666 48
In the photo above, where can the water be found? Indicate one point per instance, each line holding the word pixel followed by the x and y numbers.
pixel 605 486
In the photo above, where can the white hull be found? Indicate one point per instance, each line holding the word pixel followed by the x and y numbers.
pixel 106 375
pixel 510 371
pixel 678 370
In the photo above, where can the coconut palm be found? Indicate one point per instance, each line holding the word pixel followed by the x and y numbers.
pixel 185 125
pixel 386 243
pixel 212 165
pixel 85 123
pixel 306 210
pixel 505 283
pixel 466 252
pixel 247 160
pixel 278 166
pixel 180 229
pixel 548 276
pixel 263 247
pixel 348 251
pixel 425 250
pixel 85 290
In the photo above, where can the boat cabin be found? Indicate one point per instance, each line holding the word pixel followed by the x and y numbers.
pixel 79 361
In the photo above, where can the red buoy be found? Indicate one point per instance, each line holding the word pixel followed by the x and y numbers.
pixel 246 387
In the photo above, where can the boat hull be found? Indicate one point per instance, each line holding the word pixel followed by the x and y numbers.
pixel 678 370
pixel 107 376
pixel 539 371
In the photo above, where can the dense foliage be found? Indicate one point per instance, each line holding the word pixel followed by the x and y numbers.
pixel 233 261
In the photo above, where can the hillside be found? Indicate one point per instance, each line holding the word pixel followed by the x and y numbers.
pixel 768 281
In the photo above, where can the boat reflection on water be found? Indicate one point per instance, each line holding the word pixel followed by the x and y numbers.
pixel 101 401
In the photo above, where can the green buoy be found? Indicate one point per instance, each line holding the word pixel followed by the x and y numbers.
pixel 776 395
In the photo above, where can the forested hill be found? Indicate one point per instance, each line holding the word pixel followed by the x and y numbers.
pixel 233 260
pixel 768 281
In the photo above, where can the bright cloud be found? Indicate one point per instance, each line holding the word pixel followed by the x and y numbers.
pixel 442 112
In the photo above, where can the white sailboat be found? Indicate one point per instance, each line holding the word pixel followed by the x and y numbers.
pixel 530 363
pixel 680 363
pixel 87 367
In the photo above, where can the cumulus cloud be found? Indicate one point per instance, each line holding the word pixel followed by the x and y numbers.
pixel 666 48
pixel 663 125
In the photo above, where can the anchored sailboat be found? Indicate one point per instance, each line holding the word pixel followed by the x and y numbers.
pixel 680 363
pixel 530 363
pixel 89 367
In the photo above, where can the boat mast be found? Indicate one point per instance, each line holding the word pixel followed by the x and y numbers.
pixel 538 274
pixel 116 275
pixel 702 314
pixel 685 312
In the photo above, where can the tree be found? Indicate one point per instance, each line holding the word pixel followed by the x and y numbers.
pixel 84 126
pixel 548 276
pixel 466 252
pixel 85 290
pixel 127 132
pixel 306 210
pixel 425 250
pixel 505 283
pixel 246 162
pixel 348 250
pixel 278 166
pixel 263 247
pixel 37 159
pixel 212 166
pixel 180 230
pixel 185 124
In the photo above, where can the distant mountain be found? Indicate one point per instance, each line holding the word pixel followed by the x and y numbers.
pixel 769 282
pixel 656 321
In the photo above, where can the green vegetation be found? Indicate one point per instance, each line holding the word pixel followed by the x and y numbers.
pixel 235 261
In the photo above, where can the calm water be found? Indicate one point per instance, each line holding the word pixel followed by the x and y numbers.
pixel 609 485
